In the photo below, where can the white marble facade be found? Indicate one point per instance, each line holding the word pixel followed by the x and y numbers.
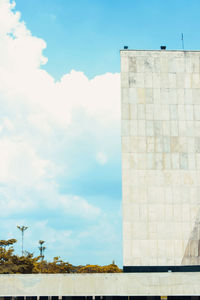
pixel 160 157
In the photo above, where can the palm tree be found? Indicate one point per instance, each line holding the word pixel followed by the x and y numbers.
pixel 41 248
pixel 22 229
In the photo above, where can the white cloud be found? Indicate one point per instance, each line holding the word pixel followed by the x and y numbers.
pixel 19 163
pixel 82 207
pixel 101 158
pixel 40 117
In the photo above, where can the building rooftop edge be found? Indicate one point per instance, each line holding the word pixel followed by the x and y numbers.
pixel 159 50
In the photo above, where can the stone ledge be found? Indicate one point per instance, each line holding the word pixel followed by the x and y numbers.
pixel 125 284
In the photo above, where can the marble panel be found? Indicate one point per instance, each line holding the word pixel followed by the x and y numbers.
pixel 164 96
pixel 141 111
pixel 149 111
pixel 188 65
pixel 148 80
pixel 125 108
pixel 173 112
pixel 188 96
pixel 180 93
pixel 125 65
pixel 196 96
pixel 148 64
pixel 158 161
pixel 191 144
pixel 133 96
pixel 132 64
pixel 150 161
pixel 125 80
pixel 133 160
pixel 133 128
pixel 184 161
pixel 188 81
pixel 127 230
pixel 125 95
pixel 195 80
pixel 175 163
pixel 195 128
pixel 164 80
pixel 150 142
pixel 148 95
pixel 180 65
pixel 142 144
pixel 183 144
pixel 189 114
pixel 158 128
pixel 141 95
pixel 159 144
pixel 197 144
pixel 141 161
pixel 156 95
pixel 140 64
pixel 181 112
pixel 126 144
pixel 163 65
pixel 190 129
pixel 156 80
pixel 195 64
pixel 172 65
pixel 125 128
pixel 167 161
pixel 143 213
pixel 197 112
pixel 180 80
pixel 149 128
pixel 174 129
pixel 133 113
pixel 172 92
pixel 157 65
pixel 136 80
pixel 197 156
pixel 139 231
pixel 172 80
pixel 166 128
pixel 125 161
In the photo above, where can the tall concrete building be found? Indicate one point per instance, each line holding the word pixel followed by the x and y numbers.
pixel 161 159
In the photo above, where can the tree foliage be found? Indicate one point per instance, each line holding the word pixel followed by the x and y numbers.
pixel 10 263
pixel 112 268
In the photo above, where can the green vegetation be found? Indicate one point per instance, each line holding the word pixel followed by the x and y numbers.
pixel 10 263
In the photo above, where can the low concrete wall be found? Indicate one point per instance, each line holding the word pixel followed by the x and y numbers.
pixel 129 284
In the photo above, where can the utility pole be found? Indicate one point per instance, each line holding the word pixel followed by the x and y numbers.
pixel 22 229
pixel 41 248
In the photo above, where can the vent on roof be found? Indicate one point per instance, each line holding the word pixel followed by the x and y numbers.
pixel 163 47
pixel 125 47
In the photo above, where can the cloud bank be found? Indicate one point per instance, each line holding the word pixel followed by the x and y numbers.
pixel 59 150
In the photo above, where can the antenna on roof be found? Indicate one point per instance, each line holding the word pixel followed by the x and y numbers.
pixel 182 39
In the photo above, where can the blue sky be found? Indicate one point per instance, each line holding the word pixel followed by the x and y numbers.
pixel 86 35
pixel 60 153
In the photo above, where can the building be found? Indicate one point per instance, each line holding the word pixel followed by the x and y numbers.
pixel 161 160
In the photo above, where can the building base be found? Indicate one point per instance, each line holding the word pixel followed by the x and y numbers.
pixel 153 269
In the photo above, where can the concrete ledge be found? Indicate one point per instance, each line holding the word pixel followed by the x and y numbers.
pixel 129 284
